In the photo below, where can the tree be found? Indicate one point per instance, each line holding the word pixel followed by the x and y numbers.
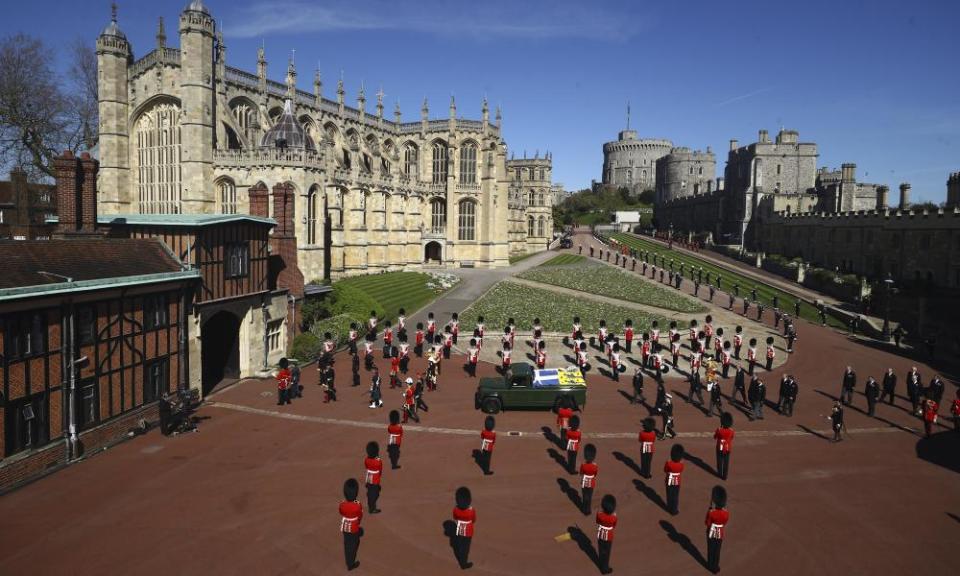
pixel 39 116
pixel 647 196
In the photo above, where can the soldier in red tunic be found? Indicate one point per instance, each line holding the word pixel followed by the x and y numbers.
pixel 410 402
pixel 394 439
pixel 771 353
pixel 283 382
pixel 418 341
pixel 447 341
pixel 431 328
pixel 351 513
pixel 564 412
pixel 628 335
pixel 614 362
pixel 488 438
pixel 737 342
pixel 648 436
pixel 541 357
pixel 573 444
pixel 464 517
pixel 724 437
pixel 473 356
pixel 606 523
pixel 588 478
pixel 930 409
pixel 673 468
pixel 395 370
pixel 374 469
pixel 752 355
pixel 716 521
pixel 455 326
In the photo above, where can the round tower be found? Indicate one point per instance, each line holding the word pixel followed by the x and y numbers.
pixel 904 195
pixel 113 56
pixel 197 98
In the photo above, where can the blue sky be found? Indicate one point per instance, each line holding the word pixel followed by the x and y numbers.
pixel 873 83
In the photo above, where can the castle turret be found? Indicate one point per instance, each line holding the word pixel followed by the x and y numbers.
pixel 197 122
pixel 396 112
pixel 883 197
pixel 317 88
pixel 380 103
pixel 953 190
pixel 734 144
pixel 848 173
pixel 904 195
pixel 113 55
pixel 291 79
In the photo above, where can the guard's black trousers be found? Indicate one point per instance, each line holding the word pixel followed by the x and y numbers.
pixel 351 544
pixel 645 459
pixel 373 494
pixel 484 460
pixel 461 550
pixel 713 554
pixel 673 500
pixel 393 451
pixel 723 464
pixel 603 555
pixel 572 461
pixel 586 500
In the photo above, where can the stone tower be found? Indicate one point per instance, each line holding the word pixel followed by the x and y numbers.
pixel 197 97
pixel 953 190
pixel 113 55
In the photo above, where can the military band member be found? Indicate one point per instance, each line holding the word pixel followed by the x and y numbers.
pixel 464 517
pixel 614 362
pixel 913 389
pixel 771 353
pixel 401 322
pixel 716 398
pixel 606 523
pixel 455 326
pixel 645 347
pixel 695 358
pixel 488 438
pixel 627 334
pixel 394 439
pixel 724 437
pixel 716 522
pixel 673 468
pixel 351 513
pixel 588 478
pixel 757 394
pixel 374 470
pixel 675 348
pixel 602 334
pixel 847 386
pixel 647 438
pixel 836 420
pixel 352 336
pixel 608 345
pixel 673 331
pixel 872 392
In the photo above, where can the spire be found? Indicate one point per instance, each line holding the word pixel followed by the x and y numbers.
pixel 317 84
pixel 161 33
pixel 362 99
pixel 340 91
pixel 499 117
pixel 292 76
pixel 425 109
pixel 628 114
pixel 262 63
pixel 453 106
pixel 380 102
pixel 396 112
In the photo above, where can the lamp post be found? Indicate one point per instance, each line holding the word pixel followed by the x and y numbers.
pixel 888 289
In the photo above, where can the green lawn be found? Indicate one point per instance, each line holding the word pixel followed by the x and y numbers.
pixel 765 292
pixel 556 311
pixel 395 290
pixel 518 257
pixel 564 259
pixel 612 282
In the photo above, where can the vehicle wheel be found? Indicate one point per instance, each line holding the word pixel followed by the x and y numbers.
pixel 490 405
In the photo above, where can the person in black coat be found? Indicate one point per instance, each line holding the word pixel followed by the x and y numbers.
pixel 756 393
pixel 696 389
pixel 792 391
pixel 872 391
pixel 913 389
pixel 935 390
pixel 637 387
pixel 740 385
pixel 847 386
pixel 889 387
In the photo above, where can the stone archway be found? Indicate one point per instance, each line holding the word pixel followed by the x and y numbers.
pixel 433 253
pixel 220 351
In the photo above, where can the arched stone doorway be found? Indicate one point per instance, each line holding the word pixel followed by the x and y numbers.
pixel 433 253
pixel 220 352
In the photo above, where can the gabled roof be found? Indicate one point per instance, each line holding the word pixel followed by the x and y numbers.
pixel 194 220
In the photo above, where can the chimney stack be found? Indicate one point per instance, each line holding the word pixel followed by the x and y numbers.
pixel 883 196
pixel 904 195
pixel 734 144
pixel 953 190
pixel 258 200
pixel 848 173
pixel 88 193
pixel 764 137
pixel 284 241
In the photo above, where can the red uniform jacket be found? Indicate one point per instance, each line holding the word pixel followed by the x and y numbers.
pixel 351 513
pixel 606 523
pixel 771 352
pixel 487 439
pixel 673 471
pixel 283 379
pixel 448 340
pixel 708 329
pixel 465 519
pixel 408 396
pixel 929 412
pixel 563 417
pixel 474 355
pixel 404 350
pixel 541 359
pixel 645 348
pixel 955 409
pixel 737 340
pixel 628 334
pixel 647 440
pixel 573 440
pixel 419 338
pixel 395 432
pixel 715 522
pixel 388 337
pixel 724 438
pixel 374 468
pixel 588 472
pixel 394 364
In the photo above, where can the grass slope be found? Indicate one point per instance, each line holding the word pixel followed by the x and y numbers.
pixel 395 290
pixel 564 259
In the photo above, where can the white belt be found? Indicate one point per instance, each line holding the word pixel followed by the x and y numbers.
pixel 485 445
pixel 462 527
pixel 572 445
pixel 603 533
pixel 346 524
pixel 371 475
pixel 715 530
pixel 646 447
pixel 587 481
pixel 393 438
pixel 673 478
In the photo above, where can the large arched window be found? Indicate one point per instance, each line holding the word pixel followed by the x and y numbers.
pixel 158 159
pixel 540 199
pixel 540 231
pixel 385 220
pixel 226 196
pixel 467 223
pixel 439 162
pixel 532 199
pixel 410 161
pixel 313 196
pixel 438 216
pixel 468 163
pixel 530 224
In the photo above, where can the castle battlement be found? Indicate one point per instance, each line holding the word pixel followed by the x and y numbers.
pixel 865 215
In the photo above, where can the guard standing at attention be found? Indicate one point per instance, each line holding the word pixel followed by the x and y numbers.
pixel 673 468
pixel 648 437
pixel 724 437
pixel 573 443
pixel 588 478
pixel 374 470
pixel 351 513
pixel 464 516
pixel 606 523
pixel 716 522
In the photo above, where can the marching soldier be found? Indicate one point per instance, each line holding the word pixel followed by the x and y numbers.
pixel 374 469
pixel 930 408
pixel 695 389
pixel 655 336
pixel 328 385
pixel 737 342
pixel 708 330
pixel 752 354
pixel 375 396
pixel 588 478
pixel 395 370
pixel 455 326
pixel 672 331
pixel 782 392
pixel 488 438
pixel 753 293
pixel 796 308
pixel 355 366
pixel 666 413
pixel 675 348
pixel 847 386
pixel 410 402
pixel 404 353
pixel 712 290
pixel 394 439
pixel 614 363
pixel 537 334
pixel 431 328
pixel 776 316
pixel 725 359
pixel 564 413
pixel 512 325
pixel 791 335
pixel 606 523
pixel 746 306
pixel 647 438
pixel 447 341
pixel 352 338
pixel 757 393
pixel 695 358
pixel 387 339
pixel 418 394
pixel 418 341
pixel 718 345
pixel 716 399
pixel 351 513
pixel 693 332
pixel 464 516
pixel 759 311
pixel 657 364
pixel 889 386
pixel 368 352
pixel 481 327
pixel 716 522
pixel 913 389
pixel 739 385
pixel 836 420
pixel 401 323
pixel 505 356
pixel 724 437
pixel 283 383
pixel 872 392
pixel 573 443
pixel 672 469
pixel 577 329
pixel 771 353
pixel 602 335
pixel 473 356
pixel 790 399
pixel 731 302
pixel 935 389
pixel 637 386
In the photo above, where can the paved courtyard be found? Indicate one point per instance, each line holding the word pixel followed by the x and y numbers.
pixel 255 491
